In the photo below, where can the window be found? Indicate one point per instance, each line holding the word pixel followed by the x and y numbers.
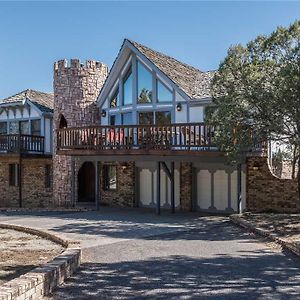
pixel 3 128
pixel 36 127
pixel 127 119
pixel 24 127
pixel 63 122
pixel 127 88
pixel 109 177
pixel 163 93
pixel 115 101
pixel 48 176
pixel 115 119
pixel 14 127
pixel 146 118
pixel 163 117
pixel 14 175
pixel 144 84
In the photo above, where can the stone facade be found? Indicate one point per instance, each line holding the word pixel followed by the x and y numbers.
pixel 266 192
pixel 125 194
pixel 186 181
pixel 34 191
pixel 76 88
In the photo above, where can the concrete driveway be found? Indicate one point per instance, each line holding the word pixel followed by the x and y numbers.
pixel 134 254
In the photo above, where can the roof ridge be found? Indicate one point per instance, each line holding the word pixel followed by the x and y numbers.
pixel 166 55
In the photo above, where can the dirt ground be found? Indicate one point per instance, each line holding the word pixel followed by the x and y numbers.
pixel 286 226
pixel 21 252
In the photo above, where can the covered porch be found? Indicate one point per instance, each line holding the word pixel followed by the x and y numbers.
pixel 159 183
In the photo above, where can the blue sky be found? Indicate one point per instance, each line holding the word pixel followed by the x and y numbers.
pixel 35 34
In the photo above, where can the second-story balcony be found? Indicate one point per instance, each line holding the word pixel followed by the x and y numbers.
pixel 21 143
pixel 171 139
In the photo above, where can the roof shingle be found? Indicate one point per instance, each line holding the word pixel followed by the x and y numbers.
pixel 44 101
pixel 195 83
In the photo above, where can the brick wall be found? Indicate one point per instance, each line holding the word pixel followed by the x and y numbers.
pixel 34 192
pixel 125 193
pixel 266 192
pixel 186 178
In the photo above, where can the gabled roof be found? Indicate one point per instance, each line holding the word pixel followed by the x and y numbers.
pixel 43 101
pixel 195 83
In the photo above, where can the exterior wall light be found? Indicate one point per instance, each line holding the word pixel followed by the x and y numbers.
pixel 103 113
pixel 179 107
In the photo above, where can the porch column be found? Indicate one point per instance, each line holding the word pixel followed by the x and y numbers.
pixel 158 188
pixel 97 174
pixel 73 182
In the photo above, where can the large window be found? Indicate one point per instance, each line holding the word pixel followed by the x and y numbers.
pixel 115 119
pixel 15 126
pixel 127 88
pixel 144 84
pixel 163 117
pixel 3 128
pixel 127 118
pixel 115 100
pixel 14 175
pixel 146 118
pixel 163 93
pixel 109 173
pixel 36 127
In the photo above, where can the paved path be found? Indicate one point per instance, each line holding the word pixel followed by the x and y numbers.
pixel 130 254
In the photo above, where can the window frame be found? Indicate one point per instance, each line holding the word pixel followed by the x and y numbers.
pixel 128 73
pixel 40 130
pixel 138 62
pixel 167 88
pixel 115 95
pixel 4 123
pixel 106 178
pixel 14 175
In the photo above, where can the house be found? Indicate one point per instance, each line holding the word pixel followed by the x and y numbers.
pixel 26 149
pixel 131 136
pixel 136 136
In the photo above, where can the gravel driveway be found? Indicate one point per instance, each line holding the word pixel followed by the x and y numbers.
pixel 131 254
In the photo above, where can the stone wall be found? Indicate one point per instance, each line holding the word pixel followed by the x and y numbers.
pixel 76 88
pixel 34 192
pixel 186 180
pixel 125 193
pixel 266 192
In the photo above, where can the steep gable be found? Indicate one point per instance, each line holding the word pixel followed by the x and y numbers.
pixel 43 101
pixel 195 83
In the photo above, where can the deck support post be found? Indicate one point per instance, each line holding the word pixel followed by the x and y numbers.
pixel 73 181
pixel 239 188
pixel 158 188
pixel 97 167
pixel 171 175
pixel 173 186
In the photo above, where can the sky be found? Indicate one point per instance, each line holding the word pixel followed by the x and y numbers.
pixel 33 35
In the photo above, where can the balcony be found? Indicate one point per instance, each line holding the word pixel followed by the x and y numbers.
pixel 171 139
pixel 21 143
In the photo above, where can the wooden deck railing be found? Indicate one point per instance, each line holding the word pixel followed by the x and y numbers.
pixel 21 143
pixel 191 136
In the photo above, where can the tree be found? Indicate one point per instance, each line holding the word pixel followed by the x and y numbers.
pixel 257 86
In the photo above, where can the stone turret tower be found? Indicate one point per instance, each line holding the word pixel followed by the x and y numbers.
pixel 76 87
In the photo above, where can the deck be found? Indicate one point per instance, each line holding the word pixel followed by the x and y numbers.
pixel 172 139
pixel 21 143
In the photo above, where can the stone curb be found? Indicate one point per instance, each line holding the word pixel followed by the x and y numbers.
pixel 291 246
pixel 18 209
pixel 42 280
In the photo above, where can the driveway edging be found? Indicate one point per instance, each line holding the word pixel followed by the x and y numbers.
pixel 42 280
pixel 291 246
